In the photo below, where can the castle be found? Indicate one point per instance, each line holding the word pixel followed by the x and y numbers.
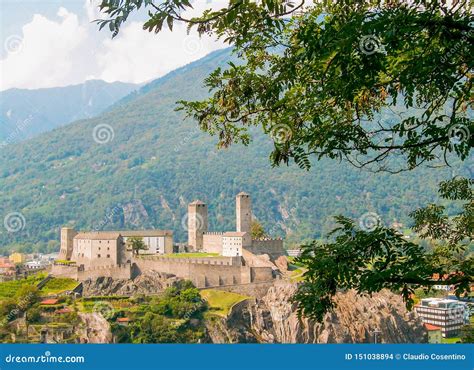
pixel 231 257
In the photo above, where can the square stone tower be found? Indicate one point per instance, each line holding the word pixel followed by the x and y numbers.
pixel 197 224
pixel 67 237
pixel 243 209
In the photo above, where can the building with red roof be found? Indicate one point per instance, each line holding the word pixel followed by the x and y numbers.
pixel 434 333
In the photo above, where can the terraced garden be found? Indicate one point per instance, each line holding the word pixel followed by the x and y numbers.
pixel 221 302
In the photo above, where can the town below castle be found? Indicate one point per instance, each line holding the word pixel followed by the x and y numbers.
pixel 210 259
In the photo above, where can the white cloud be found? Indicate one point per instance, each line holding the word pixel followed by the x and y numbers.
pixel 136 56
pixel 92 9
pixel 44 53
pixel 70 50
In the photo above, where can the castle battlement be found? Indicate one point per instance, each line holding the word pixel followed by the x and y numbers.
pixel 266 239
pixel 213 233
pixel 108 267
pixel 215 261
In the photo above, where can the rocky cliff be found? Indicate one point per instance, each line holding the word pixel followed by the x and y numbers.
pixel 148 283
pixel 272 318
pixel 95 329
pixel 151 282
pixel 356 319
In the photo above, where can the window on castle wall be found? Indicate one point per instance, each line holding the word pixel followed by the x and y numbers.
pixel 98 256
pixel 108 256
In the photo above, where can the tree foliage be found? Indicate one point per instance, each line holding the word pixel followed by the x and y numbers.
pixel 136 244
pixel 370 261
pixel 317 77
pixel 321 78
pixel 166 318
pixel 467 334
pixel 257 230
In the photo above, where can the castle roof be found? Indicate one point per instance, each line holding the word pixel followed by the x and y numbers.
pixel 98 235
pixel 113 235
pixel 235 233
pixel 242 193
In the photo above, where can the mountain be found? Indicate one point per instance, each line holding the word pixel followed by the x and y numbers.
pixel 26 113
pixel 138 164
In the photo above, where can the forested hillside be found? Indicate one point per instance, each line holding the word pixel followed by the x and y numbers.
pixel 27 113
pixel 151 163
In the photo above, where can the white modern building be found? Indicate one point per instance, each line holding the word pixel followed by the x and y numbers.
pixel 448 314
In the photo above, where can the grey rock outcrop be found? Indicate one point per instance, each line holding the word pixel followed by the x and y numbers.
pixel 273 319
pixel 95 329
pixel 148 283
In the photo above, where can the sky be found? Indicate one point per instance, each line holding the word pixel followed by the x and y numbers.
pixel 49 43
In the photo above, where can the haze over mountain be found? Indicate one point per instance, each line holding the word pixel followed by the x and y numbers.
pixel 138 164
pixel 27 113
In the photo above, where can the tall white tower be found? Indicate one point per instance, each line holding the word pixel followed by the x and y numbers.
pixel 197 224
pixel 243 209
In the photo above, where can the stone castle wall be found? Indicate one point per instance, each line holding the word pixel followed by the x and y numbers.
pixel 124 271
pixel 221 260
pixel 212 242
pixel 70 271
pixel 206 272
pixel 272 247
pixel 260 274
pixel 202 276
pixel 116 272
pixel 203 272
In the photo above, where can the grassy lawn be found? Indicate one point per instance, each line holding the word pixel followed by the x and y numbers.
pixel 297 275
pixel 291 261
pixel 450 340
pixel 8 289
pixel 58 285
pixel 66 262
pixel 220 302
pixel 191 255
